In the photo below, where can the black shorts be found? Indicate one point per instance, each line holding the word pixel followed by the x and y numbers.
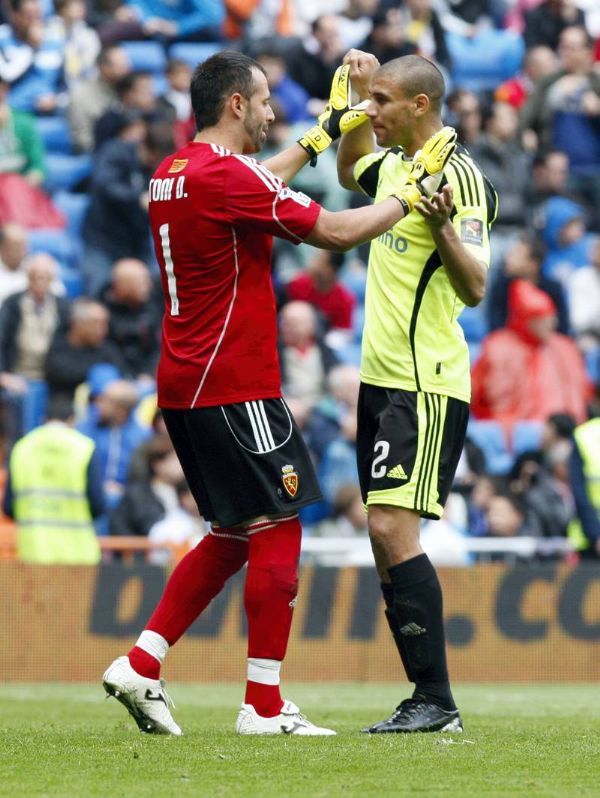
pixel 243 460
pixel 408 446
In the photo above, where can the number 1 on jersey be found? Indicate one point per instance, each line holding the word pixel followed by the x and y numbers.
pixel 169 268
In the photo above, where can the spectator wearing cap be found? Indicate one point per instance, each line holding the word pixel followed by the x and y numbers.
pixel 526 370
pixel 566 238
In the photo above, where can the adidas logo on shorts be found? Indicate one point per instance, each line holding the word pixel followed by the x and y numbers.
pixel 397 472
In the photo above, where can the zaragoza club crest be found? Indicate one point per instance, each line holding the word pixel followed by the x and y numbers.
pixel 290 480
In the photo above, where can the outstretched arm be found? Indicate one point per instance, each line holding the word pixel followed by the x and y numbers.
pixel 338 117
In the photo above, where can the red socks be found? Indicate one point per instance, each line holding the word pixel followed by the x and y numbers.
pixel 143 663
pixel 196 580
pixel 269 598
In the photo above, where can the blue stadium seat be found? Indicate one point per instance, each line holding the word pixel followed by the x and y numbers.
pixel 474 324
pixel 526 435
pixel 194 53
pixel 489 436
pixel 55 133
pixel 74 208
pixel 349 355
pixel 355 281
pixel 592 364
pixel 160 85
pixel 47 7
pixel 483 62
pixel 358 321
pixel 66 171
pixel 146 56
pixel 35 403
pixel 57 243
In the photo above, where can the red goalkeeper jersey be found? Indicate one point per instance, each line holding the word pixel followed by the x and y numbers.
pixel 213 214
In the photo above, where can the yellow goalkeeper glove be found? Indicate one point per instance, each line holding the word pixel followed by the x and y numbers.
pixel 427 172
pixel 337 118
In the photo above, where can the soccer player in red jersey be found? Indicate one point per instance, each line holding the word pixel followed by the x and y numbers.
pixel 213 213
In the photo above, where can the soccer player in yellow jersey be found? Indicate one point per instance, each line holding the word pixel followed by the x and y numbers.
pixel 415 385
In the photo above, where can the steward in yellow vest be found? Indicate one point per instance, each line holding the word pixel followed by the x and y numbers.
pixel 584 470
pixel 53 493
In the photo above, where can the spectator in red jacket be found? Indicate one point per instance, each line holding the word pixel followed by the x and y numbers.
pixel 319 286
pixel 527 370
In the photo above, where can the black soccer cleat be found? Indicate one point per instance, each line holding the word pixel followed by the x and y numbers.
pixel 416 715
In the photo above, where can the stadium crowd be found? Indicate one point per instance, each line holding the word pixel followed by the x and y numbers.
pixel 92 98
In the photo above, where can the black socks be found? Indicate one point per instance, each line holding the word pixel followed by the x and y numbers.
pixel 415 614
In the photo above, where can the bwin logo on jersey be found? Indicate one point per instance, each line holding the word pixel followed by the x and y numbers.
pixel 389 240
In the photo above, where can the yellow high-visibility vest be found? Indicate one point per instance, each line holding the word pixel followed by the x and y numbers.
pixel 48 470
pixel 587 438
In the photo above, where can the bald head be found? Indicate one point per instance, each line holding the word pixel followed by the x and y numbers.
pixel 13 245
pixel 116 402
pixel 41 270
pixel 131 281
pixel 414 75
pixel 298 322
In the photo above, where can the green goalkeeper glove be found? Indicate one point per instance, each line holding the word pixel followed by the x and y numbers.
pixel 337 118
pixel 427 172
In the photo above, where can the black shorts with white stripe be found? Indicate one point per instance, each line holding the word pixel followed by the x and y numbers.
pixel 243 460
pixel 408 447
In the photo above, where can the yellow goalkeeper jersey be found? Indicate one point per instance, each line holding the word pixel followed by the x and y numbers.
pixel 412 339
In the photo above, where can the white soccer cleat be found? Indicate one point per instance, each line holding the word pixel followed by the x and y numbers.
pixel 289 721
pixel 146 700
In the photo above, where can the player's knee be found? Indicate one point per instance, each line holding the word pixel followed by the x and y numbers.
pixel 381 531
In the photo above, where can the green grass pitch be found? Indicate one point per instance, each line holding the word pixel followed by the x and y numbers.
pixel 533 740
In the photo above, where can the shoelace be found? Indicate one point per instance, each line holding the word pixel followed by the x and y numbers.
pixel 169 700
pixel 407 707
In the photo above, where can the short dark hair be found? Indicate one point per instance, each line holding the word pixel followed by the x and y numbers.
pixel 159 137
pixel 216 79
pixel 60 408
pixel 128 81
pixel 564 424
pixel 417 75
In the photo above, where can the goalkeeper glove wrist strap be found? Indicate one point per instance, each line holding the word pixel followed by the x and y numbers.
pixel 408 196
pixel 315 141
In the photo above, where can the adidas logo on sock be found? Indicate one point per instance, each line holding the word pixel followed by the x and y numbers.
pixel 397 472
